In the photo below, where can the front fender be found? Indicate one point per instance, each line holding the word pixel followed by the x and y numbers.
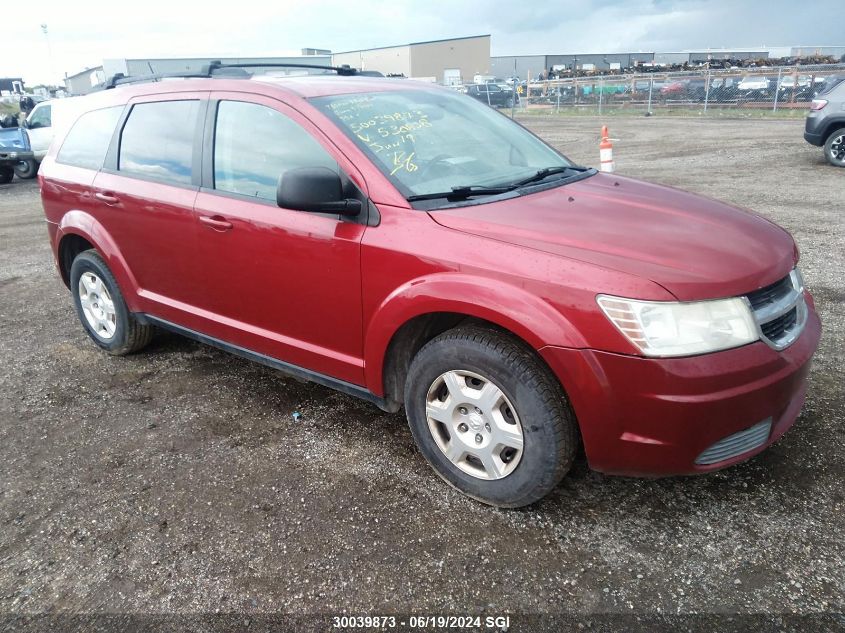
pixel 525 315
pixel 87 227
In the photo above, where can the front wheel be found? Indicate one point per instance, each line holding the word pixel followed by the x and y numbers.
pixel 834 148
pixel 489 417
pixel 6 175
pixel 26 169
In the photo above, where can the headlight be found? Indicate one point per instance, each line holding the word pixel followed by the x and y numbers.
pixel 661 328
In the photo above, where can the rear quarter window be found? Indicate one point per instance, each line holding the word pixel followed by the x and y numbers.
pixel 830 84
pixel 88 140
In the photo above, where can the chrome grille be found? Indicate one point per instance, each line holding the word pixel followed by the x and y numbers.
pixel 780 310
pixel 736 444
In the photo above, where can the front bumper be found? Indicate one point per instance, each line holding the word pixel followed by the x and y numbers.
pixel 657 417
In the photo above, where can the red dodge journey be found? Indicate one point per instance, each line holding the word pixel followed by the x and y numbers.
pixel 406 244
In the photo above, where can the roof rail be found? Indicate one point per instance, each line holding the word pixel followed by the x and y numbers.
pixel 217 68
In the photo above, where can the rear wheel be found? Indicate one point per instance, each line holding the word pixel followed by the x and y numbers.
pixel 6 175
pixel 101 308
pixel 834 148
pixel 26 169
pixel 489 417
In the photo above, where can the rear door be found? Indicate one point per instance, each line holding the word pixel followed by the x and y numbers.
pixel 280 282
pixel 145 197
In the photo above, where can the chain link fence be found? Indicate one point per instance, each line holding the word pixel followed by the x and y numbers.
pixel 776 91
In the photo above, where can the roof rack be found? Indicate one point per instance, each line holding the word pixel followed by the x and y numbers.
pixel 219 69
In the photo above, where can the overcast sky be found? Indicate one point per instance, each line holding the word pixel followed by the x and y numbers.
pixel 83 32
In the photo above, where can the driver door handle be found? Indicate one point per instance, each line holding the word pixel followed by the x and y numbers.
pixel 216 222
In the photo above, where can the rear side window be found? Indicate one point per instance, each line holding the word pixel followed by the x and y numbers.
pixel 88 140
pixel 254 145
pixel 830 83
pixel 158 140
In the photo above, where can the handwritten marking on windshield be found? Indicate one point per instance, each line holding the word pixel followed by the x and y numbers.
pixel 401 161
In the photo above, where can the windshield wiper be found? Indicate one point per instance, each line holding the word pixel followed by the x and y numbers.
pixel 546 171
pixel 462 192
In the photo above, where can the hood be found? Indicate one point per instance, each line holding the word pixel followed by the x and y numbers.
pixel 695 247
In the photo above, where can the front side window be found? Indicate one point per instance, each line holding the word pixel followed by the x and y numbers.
pixel 254 145
pixel 88 140
pixel 40 117
pixel 158 140
pixel 428 141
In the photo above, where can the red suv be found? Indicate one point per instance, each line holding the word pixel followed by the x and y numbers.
pixel 407 245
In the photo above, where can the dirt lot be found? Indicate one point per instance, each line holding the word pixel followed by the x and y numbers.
pixel 177 480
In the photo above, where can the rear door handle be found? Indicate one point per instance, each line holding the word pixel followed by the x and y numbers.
pixel 107 197
pixel 216 222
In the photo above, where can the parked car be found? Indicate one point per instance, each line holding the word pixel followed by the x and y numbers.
pixel 720 90
pixel 755 87
pixel 15 154
pixel 42 123
pixel 405 244
pixel 791 82
pixel 674 90
pixel 491 94
pixel 825 123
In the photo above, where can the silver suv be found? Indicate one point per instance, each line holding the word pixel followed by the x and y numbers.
pixel 825 124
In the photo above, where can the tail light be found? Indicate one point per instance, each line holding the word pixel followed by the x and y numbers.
pixel 818 104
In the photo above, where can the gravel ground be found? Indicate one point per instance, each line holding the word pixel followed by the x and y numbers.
pixel 178 481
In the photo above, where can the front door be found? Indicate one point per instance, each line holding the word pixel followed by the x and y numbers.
pixel 283 283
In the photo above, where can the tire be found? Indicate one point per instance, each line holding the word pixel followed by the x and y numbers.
pixel 834 148
pixel 470 363
pixel 6 175
pixel 101 308
pixel 26 169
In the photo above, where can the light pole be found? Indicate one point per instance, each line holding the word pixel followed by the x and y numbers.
pixel 49 53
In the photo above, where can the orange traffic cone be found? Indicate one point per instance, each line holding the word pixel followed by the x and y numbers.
pixel 605 152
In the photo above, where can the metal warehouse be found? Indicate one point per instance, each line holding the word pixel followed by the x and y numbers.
pixel 134 67
pixel 450 62
pixel 84 82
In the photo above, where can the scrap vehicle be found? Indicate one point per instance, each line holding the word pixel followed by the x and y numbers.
pixel 404 244
pixel 16 155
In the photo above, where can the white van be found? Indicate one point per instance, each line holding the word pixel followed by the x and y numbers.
pixel 45 121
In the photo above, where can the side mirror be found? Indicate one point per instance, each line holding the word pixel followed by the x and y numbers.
pixel 315 189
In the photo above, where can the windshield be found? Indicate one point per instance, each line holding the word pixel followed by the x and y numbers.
pixel 430 141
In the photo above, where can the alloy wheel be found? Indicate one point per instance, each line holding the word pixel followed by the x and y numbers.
pixel 97 305
pixel 837 148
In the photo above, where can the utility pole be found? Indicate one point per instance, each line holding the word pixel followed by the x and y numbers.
pixel 49 53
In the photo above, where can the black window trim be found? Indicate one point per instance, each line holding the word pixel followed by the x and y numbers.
pixel 110 165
